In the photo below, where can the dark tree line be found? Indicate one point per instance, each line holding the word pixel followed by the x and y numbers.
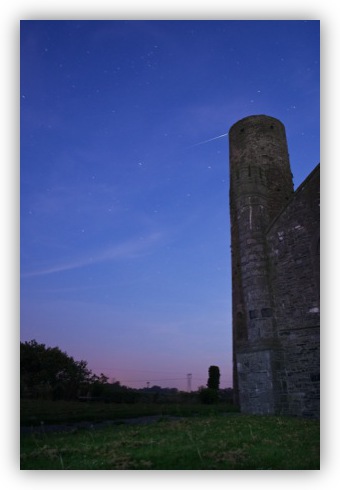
pixel 47 372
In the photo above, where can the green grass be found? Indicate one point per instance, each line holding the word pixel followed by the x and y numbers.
pixel 34 412
pixel 210 442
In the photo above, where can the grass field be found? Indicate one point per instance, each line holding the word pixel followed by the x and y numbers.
pixel 35 412
pixel 208 441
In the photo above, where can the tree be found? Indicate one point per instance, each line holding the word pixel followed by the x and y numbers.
pixel 99 385
pixel 208 395
pixel 49 372
pixel 214 378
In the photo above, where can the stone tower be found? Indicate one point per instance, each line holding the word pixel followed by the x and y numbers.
pixel 260 187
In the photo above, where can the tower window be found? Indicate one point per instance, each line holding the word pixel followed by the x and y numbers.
pixel 266 312
pixel 253 314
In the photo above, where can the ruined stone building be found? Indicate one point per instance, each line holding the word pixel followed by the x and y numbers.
pixel 275 241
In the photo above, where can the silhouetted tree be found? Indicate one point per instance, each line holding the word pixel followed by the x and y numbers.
pixel 99 385
pixel 207 395
pixel 214 378
pixel 49 372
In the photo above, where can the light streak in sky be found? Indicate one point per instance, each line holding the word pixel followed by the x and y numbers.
pixel 211 139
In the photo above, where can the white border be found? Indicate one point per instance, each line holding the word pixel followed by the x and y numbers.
pixel 14 10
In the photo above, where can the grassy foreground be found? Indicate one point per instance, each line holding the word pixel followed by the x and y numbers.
pixel 210 442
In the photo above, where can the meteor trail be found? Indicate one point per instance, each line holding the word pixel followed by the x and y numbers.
pixel 211 139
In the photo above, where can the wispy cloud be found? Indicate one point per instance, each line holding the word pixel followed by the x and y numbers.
pixel 127 250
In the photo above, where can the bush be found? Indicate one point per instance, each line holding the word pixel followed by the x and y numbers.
pixel 208 395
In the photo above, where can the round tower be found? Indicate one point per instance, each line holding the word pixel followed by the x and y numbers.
pixel 260 186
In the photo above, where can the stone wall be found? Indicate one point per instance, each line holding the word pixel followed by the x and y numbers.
pixel 275 273
pixel 294 250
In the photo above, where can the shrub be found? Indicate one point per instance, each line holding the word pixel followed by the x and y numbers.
pixel 208 395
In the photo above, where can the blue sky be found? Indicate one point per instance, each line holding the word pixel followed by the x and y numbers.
pixel 125 240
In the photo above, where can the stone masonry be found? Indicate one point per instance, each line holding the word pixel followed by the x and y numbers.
pixel 275 241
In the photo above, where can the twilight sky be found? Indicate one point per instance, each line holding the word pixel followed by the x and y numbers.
pixel 125 240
